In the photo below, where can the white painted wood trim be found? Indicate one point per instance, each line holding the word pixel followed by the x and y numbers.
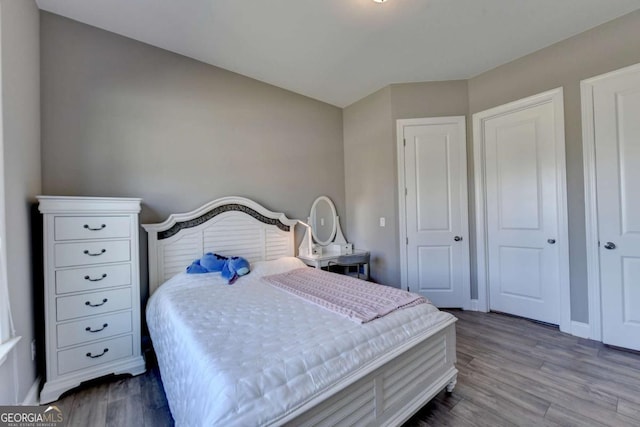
pixel 464 201
pixel 460 121
pixel 591 211
pixel 482 303
pixel 31 398
pixel 590 197
pixel 6 347
pixel 402 201
pixel 556 97
pixel 580 329
pixel 157 247
pixel 563 215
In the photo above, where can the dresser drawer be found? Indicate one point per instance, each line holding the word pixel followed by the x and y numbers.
pixel 85 253
pixel 91 227
pixel 90 278
pixel 94 354
pixel 93 328
pixel 92 303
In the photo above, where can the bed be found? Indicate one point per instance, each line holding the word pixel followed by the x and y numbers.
pixel 251 354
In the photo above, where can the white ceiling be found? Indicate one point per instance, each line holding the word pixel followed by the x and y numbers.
pixel 339 51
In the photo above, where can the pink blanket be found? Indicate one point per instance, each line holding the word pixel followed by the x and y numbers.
pixel 354 298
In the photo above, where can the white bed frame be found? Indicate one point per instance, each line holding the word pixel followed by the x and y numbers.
pixel 385 393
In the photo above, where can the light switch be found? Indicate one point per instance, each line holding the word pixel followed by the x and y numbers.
pixel 383 221
pixel 322 222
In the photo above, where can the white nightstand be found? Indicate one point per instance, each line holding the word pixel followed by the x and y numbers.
pixel 321 261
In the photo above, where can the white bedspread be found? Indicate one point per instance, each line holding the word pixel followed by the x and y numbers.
pixel 248 354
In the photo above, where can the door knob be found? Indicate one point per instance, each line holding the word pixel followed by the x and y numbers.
pixel 609 245
pixel 551 241
pixel 457 238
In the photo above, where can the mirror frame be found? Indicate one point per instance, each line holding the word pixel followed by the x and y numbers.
pixel 312 221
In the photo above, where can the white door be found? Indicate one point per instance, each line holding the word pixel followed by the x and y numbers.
pixel 521 188
pixel 432 162
pixel 616 102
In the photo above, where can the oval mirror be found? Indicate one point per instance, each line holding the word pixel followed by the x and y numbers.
pixel 323 220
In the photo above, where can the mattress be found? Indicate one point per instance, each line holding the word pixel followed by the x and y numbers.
pixel 249 354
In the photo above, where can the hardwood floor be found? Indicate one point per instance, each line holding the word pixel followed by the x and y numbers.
pixel 517 372
pixel 118 401
pixel 512 372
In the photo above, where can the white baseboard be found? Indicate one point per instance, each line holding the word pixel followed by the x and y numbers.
pixel 32 397
pixel 579 329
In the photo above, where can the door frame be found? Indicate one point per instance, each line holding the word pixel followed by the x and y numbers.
pixel 459 121
pixel 554 96
pixel 590 197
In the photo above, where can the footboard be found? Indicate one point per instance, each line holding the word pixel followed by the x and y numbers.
pixel 393 392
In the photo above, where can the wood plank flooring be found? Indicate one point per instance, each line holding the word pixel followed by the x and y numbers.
pixel 513 372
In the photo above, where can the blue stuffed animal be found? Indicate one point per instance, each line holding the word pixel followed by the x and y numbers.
pixel 213 262
pixel 209 263
pixel 235 267
pixel 196 268
pixel 231 268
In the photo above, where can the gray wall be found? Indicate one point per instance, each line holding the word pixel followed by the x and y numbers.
pixel 19 45
pixel 371 177
pixel 369 182
pixel 122 118
pixel 608 47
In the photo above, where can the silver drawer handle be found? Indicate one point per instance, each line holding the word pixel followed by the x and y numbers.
pixel 104 300
pixel 104 276
pixel 88 328
pixel 103 226
pixel 98 355
pixel 86 252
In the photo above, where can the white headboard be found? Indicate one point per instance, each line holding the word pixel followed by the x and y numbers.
pixel 231 226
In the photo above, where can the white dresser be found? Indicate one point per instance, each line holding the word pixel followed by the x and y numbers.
pixel 92 290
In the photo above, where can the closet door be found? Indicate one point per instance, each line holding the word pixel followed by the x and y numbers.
pixel 522 189
pixel 616 125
